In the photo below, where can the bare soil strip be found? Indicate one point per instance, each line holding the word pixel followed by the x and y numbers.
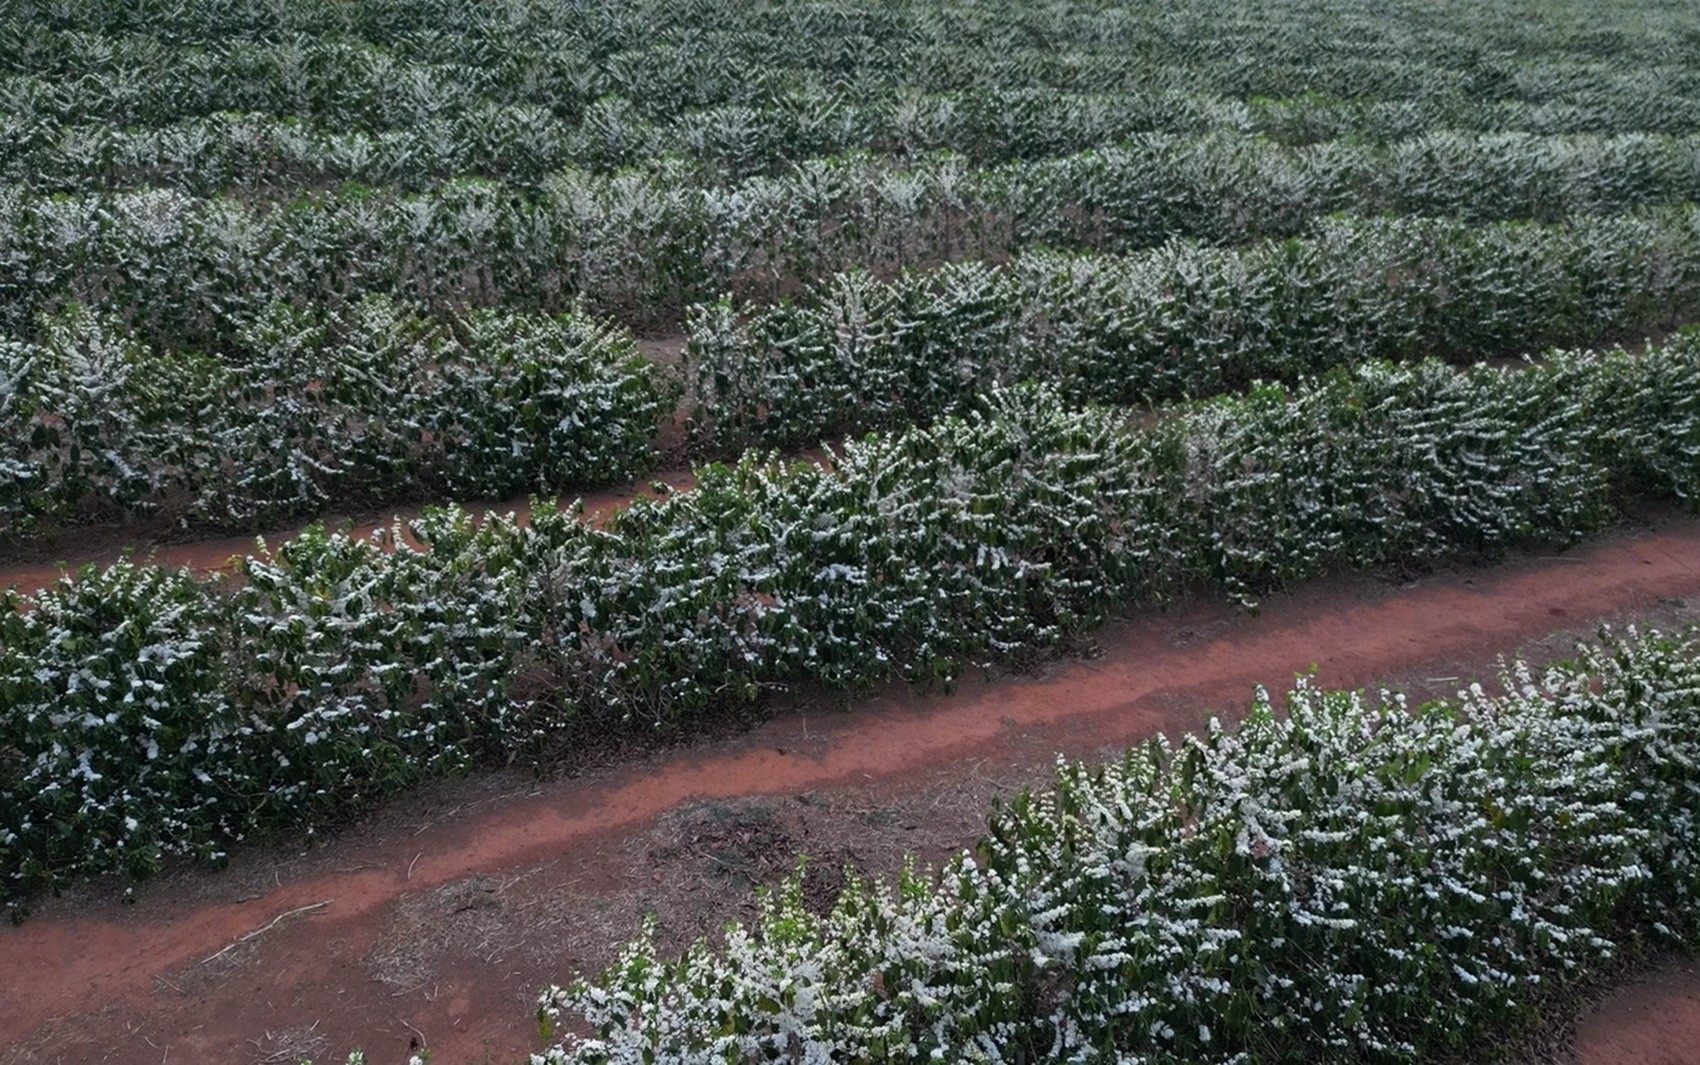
pixel 435 921
pixel 1653 1019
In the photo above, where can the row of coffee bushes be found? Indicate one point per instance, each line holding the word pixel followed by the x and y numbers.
pixel 377 404
pixel 523 144
pixel 1602 110
pixel 148 713
pixel 1341 881
pixel 857 353
pixel 374 406
pixel 1480 40
pixel 679 57
pixel 1231 189
pixel 180 269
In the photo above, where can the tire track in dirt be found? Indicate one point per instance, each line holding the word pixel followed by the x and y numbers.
pixel 101 971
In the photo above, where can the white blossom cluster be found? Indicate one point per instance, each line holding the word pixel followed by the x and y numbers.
pixel 147 713
pixel 1341 881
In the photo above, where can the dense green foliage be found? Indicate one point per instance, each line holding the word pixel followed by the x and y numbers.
pixel 148 713
pixel 1183 320
pixel 372 407
pixel 224 156
pixel 1347 882
pixel 183 269
pixel 262 257
pixel 768 83
pixel 374 404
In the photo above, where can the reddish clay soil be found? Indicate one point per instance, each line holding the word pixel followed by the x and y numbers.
pixel 1653 1019
pixel 437 919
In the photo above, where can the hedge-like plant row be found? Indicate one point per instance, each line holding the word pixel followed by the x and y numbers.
pixel 183 270
pixel 1094 36
pixel 856 353
pixel 371 68
pixel 148 713
pixel 256 152
pixel 523 143
pixel 375 405
pixel 1345 882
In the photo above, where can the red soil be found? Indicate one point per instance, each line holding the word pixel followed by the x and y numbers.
pixel 1653 1020
pixel 84 981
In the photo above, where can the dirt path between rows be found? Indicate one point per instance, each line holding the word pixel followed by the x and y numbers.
pixel 1653 1019
pixel 436 920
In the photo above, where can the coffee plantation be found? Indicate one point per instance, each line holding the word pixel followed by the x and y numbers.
pixel 152 713
pixel 1091 306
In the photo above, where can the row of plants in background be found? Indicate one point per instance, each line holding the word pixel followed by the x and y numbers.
pixel 90 62
pixel 150 714
pixel 522 143
pixel 1479 41
pixel 1185 320
pixel 1344 881
pixel 184 271
pixel 372 406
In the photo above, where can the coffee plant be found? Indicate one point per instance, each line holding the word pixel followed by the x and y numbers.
pixel 1344 880
pixel 1184 320
pixel 603 81
pixel 149 714
pixel 259 260
pixel 185 270
pixel 1142 297
pixel 256 152
pixel 376 405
